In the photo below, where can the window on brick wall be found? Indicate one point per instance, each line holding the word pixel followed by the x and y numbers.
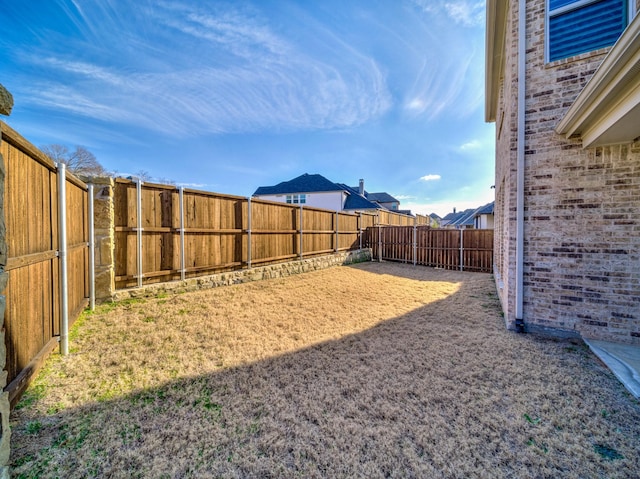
pixel 579 26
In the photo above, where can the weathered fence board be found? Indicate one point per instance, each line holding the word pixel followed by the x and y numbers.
pixel 32 316
pixel 467 250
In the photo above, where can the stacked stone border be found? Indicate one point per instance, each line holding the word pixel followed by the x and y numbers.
pixel 272 271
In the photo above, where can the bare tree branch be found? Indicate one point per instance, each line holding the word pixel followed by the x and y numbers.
pixel 80 162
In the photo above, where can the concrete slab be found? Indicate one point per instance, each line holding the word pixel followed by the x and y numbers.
pixel 622 359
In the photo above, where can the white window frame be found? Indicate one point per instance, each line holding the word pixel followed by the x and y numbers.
pixel 299 199
pixel 631 6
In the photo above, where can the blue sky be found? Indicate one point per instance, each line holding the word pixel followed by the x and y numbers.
pixel 230 95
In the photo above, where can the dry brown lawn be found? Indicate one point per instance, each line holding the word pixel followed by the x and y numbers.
pixel 375 370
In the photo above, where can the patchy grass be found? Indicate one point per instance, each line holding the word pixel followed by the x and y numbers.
pixel 376 370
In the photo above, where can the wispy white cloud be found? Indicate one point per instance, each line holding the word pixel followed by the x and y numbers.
pixel 443 86
pixel 471 145
pixel 403 197
pixel 226 72
pixel 464 12
pixel 430 178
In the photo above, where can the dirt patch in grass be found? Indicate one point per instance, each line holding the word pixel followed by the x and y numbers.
pixel 375 370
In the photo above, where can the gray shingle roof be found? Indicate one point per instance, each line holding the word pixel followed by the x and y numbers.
pixel 356 202
pixel 302 184
pixel 461 218
pixel 381 197
pixel 485 210
pixel 467 217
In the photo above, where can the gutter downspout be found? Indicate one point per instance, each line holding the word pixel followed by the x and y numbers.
pixel 522 61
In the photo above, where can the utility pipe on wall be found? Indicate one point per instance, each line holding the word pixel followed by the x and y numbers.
pixel 522 63
pixel 62 254
pixel 92 253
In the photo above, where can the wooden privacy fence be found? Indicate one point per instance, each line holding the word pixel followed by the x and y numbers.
pixel 463 249
pixel 40 257
pixel 164 233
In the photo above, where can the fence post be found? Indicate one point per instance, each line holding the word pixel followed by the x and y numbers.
pixel 360 228
pixel 249 232
pixel 379 243
pixel 62 253
pixel 183 272
pixel 415 240
pixel 337 243
pixel 92 252
pixel 139 228
pixel 461 250
pixel 301 243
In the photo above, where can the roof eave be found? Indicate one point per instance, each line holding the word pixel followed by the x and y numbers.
pixel 494 56
pixel 607 110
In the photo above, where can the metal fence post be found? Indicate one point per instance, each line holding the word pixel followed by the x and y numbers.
pixel 415 240
pixel 337 241
pixel 183 272
pixel 301 242
pixel 461 250
pixel 62 254
pixel 139 228
pixel 249 232
pixel 92 252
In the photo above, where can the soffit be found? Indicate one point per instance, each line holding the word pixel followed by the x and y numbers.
pixel 494 56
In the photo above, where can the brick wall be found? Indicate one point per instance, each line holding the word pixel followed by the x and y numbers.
pixel 506 146
pixel 582 206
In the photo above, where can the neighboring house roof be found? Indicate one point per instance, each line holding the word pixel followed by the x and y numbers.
pixel 485 210
pixel 461 218
pixel 607 110
pixel 381 197
pixel 466 217
pixel 317 183
pixel 302 184
pixel 356 202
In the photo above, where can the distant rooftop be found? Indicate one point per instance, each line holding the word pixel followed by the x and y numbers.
pixel 302 184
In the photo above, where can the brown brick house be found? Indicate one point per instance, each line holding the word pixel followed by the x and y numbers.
pixel 563 88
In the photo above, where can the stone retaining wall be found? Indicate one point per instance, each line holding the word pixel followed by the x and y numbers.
pixel 271 271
